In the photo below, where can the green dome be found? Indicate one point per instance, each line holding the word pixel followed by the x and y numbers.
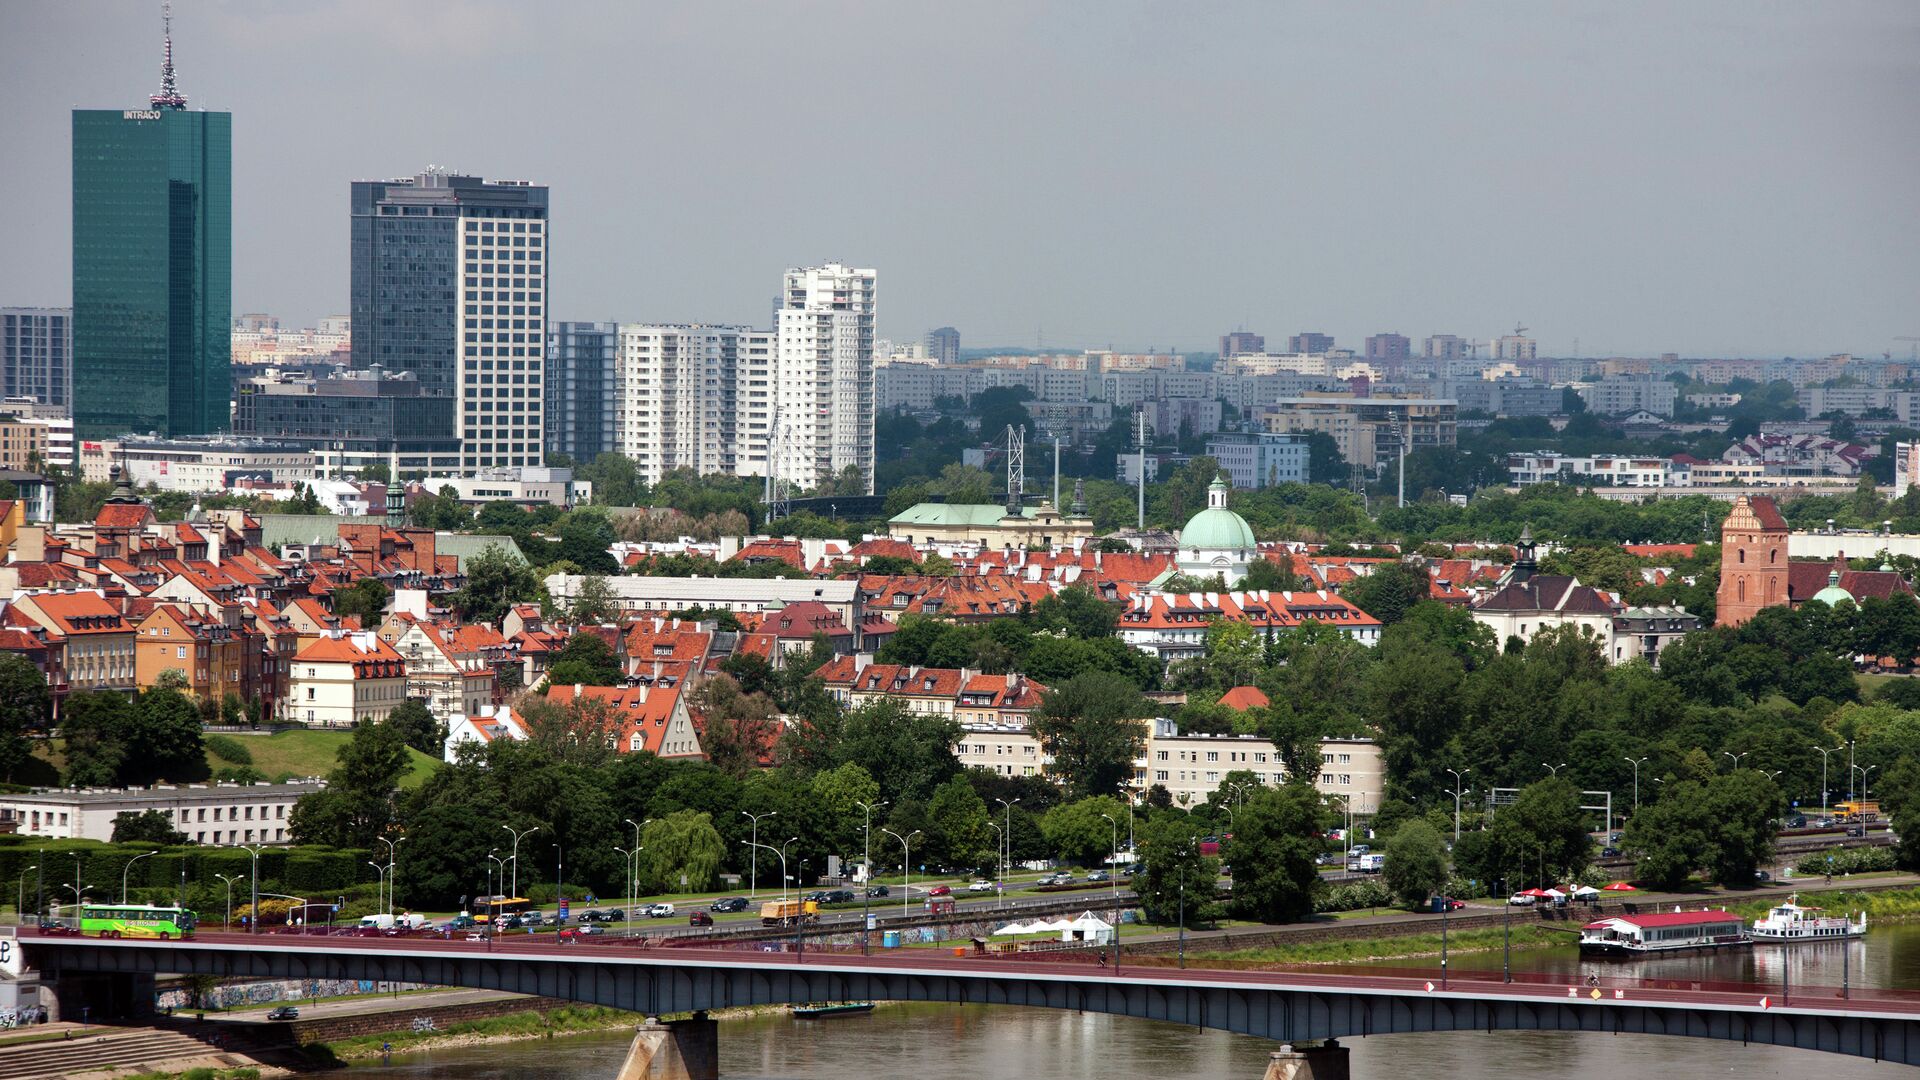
pixel 1217 528
pixel 1833 593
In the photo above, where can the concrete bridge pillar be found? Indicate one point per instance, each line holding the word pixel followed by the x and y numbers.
pixel 681 1050
pixel 1328 1061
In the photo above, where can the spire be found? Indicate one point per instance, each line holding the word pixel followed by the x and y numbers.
pixel 169 97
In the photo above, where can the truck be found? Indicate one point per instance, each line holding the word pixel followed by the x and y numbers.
pixel 1370 863
pixel 381 921
pixel 789 912
pixel 410 920
pixel 1858 810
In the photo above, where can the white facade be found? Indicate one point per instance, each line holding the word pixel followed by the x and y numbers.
pixel 194 465
pixel 501 418
pixel 222 814
pixel 1620 396
pixel 643 593
pixel 677 392
pixel 1610 471
pixel 528 485
pixel 345 678
pixel 820 376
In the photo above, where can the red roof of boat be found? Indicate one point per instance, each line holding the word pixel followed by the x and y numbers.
pixel 1671 918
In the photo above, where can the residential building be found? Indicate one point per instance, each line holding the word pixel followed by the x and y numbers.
pixel 1259 459
pixel 197 644
pixel 1370 431
pixel 196 464
pixel 649 719
pixel 1310 342
pixel 222 814
pixel 1718 401
pixel 1449 349
pixel 943 345
pixel 989 525
pixel 152 267
pixel 1800 455
pixel 675 392
pixel 454 668
pixel 580 388
pixel 345 677
pixel 816 382
pixel 645 594
pixel 36 356
pixel 1547 467
pixel 491 724
pixel 24 444
pixel 1513 347
pixel 1192 767
pixel 1906 466
pixel 1859 401
pixel 99 651
pixel 1619 396
pixel 449 282
pixel 529 486
pixel 1240 343
pixel 1642 632
pixel 1527 602
pixel 1390 348
pixel 1173 626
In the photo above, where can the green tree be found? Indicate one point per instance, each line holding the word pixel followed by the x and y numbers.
pixel 1541 837
pixel 145 827
pixel 163 739
pixel 960 838
pixel 1076 832
pixel 1389 592
pixel 25 705
pixel 616 480
pixel 839 794
pixel 594 603
pixel 1079 611
pixel 1175 879
pixel 586 659
pixel 357 805
pixel 1272 851
pixel 1671 838
pixel 1092 727
pixel 1416 863
pixel 94 725
pixel 1270 575
pixel 1234 654
pixel 417 727
pixel 681 851
pixel 1742 808
pixel 365 600
pixel 495 582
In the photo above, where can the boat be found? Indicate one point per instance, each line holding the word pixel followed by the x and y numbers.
pixel 815 1010
pixel 1664 932
pixel 1790 923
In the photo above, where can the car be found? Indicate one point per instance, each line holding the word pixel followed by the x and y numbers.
pixel 1797 821
pixel 1098 875
pixel 1358 850
pixel 1609 852
pixel 699 918
pixel 940 890
pixel 1825 822
pixel 841 896
pixel 1132 869
pixel 1857 831
pixel 728 903
pixel 879 890
pixel 818 896
pixel 284 1012
pixel 1520 900
pixel 1444 903
pixel 660 911
pixel 515 922
pixel 1762 876
pixel 574 933
pixel 980 886
pixel 532 918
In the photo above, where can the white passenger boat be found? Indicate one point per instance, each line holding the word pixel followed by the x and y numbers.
pixel 1663 932
pixel 1790 922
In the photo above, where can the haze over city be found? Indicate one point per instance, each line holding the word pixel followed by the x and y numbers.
pixel 1715 179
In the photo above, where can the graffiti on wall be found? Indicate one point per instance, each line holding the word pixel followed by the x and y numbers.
pixel 259 993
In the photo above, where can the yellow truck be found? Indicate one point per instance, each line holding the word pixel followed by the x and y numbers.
pixel 788 912
pixel 1858 810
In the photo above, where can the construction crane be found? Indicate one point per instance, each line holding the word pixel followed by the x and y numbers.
pixel 1915 354
pixel 1519 330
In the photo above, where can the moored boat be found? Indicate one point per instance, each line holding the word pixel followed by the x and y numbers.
pixel 1663 932
pixel 817 1010
pixel 1789 922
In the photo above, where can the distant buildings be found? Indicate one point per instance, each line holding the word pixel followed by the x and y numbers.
pixel 1446 348
pixel 1261 459
pixel 818 381
pixel 580 382
pixel 1513 347
pixel 36 356
pixel 1619 396
pixel 943 345
pixel 1604 470
pixel 675 395
pixel 449 283
pixel 152 268
pixel 352 419
pixel 222 814
pixel 1309 341
pixel 1369 431
pixel 1390 348
pixel 1240 343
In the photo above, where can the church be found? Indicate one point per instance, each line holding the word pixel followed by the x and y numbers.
pixel 1755 571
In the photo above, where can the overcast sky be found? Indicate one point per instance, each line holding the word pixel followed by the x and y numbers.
pixel 1708 178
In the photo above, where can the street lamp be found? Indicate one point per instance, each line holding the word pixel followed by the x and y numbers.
pixel 377 869
pixel 783 867
pixel 632 899
pixel 1636 763
pixel 230 881
pixel 1864 770
pixel 493 908
pixel 1195 842
pixel 392 878
pixel 866 868
pixel 253 919
pixel 1736 757
pixel 123 873
pixel 1553 769
pixel 1457 773
pixel 1113 884
pixel 906 864
pixel 999 859
pixel 1009 872
pixel 515 855
pixel 20 901
pixel 1823 751
pixel 753 875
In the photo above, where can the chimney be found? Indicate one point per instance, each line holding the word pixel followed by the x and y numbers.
pixel 642 698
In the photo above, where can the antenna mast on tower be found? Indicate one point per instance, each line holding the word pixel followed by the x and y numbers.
pixel 169 97
pixel 1140 415
pixel 1016 469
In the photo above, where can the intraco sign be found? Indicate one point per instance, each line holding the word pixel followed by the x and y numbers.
pixel 140 114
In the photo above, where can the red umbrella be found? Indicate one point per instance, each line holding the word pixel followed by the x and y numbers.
pixel 1534 892
pixel 1618 886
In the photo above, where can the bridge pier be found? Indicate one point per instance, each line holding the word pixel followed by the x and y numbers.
pixel 681 1050
pixel 1327 1061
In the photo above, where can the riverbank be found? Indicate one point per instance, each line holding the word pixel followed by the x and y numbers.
pixel 518 1027
pixel 1524 936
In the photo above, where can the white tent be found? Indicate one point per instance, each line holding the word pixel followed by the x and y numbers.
pixel 1585 891
pixel 1013 928
pixel 1090 928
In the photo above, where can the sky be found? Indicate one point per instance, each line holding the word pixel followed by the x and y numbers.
pixel 1712 178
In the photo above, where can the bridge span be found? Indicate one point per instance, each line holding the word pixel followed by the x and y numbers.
pixel 1284 1006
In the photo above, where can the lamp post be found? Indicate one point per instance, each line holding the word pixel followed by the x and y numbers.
pixel 253 919
pixel 753 875
pixel 866 866
pixel 515 855
pixel 1113 886
pixel 1195 849
pixel 20 901
pixel 1864 790
pixel 631 899
pixel 493 909
pixel 123 873
pixel 1736 757
pixel 906 864
pixel 1009 809
pixel 378 869
pixel 1553 769
pixel 999 860
pixel 1823 751
pixel 391 876
pixel 1457 773
pixel 1849 770
pixel 1636 763
pixel 783 867
pixel 230 881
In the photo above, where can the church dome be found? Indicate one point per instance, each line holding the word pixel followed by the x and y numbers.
pixel 1833 593
pixel 1217 528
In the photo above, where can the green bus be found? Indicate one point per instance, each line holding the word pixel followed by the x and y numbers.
pixel 136 921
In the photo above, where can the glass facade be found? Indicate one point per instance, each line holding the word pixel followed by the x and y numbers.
pixel 580 383
pixel 152 270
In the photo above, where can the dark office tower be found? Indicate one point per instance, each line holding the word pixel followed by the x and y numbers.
pixel 580 386
pixel 450 283
pixel 152 266
pixel 1390 348
pixel 1242 343
pixel 1307 341
pixel 943 345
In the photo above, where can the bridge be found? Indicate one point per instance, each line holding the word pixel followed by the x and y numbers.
pixel 1291 1006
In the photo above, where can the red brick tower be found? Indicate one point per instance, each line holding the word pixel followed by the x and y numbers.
pixel 1753 561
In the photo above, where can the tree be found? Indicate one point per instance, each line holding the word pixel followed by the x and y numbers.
pixel 25 705
pixel 441 512
pixel 1416 863
pixel 1269 575
pixel 94 725
pixel 365 600
pixel 1076 832
pixel 680 851
pixel 1272 852
pixel 1389 592
pixel 1175 879
pixel 145 827
pixel 1234 655
pixel 959 838
pixel 357 804
pixel 1742 808
pixel 586 659
pixel 1541 837
pixel 1079 611
pixel 1669 839
pixel 740 727
pixel 163 739
pixel 495 582
pixel 417 727
pixel 1091 725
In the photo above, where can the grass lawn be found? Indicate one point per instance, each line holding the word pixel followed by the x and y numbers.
pixel 1870 682
pixel 312 753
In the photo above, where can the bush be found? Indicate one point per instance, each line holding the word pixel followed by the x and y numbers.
pixel 229 749
pixel 1353 897
pixel 1846 861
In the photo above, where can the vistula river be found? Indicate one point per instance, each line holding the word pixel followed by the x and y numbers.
pixel 999 1043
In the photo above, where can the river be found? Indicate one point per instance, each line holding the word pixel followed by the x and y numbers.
pixel 1001 1042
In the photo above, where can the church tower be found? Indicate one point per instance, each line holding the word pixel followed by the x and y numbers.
pixel 1753 561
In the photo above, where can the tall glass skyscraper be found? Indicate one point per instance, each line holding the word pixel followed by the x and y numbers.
pixel 152 269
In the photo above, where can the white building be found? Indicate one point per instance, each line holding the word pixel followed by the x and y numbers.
pixel 819 380
pixel 528 485
pixel 1623 395
pixel 195 464
pixel 344 678
pixel 1546 467
pixel 1260 459
pixel 212 814
pixel 676 394
pixel 644 593
pixel 489 724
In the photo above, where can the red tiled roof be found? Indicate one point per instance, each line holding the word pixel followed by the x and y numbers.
pixel 1768 513
pixel 1242 698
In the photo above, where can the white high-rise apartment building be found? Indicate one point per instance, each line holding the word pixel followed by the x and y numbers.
pixel 675 395
pixel 819 377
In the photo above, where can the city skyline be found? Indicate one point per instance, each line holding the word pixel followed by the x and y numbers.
pixel 1607 180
